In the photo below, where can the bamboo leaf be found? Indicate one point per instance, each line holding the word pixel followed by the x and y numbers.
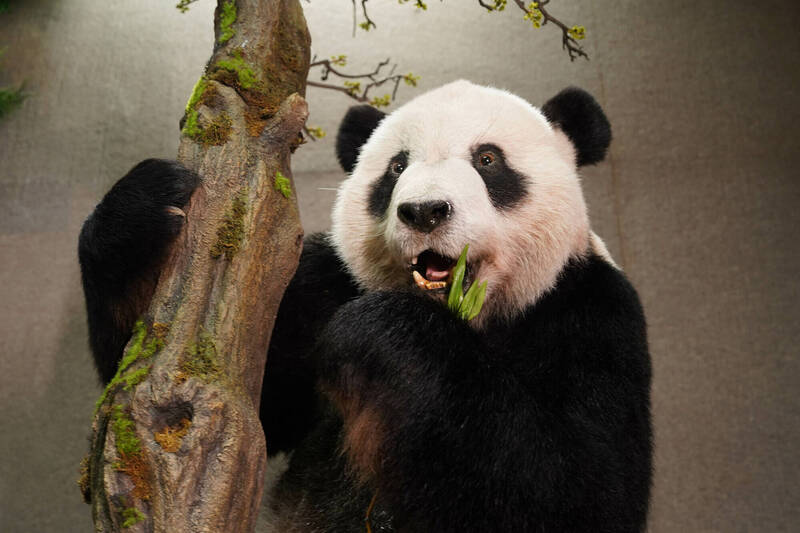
pixel 469 300
pixel 478 303
pixel 456 295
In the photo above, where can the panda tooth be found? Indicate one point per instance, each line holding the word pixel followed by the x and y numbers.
pixel 424 284
pixel 419 280
pixel 414 260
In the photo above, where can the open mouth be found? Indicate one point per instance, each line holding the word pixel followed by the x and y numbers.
pixel 432 271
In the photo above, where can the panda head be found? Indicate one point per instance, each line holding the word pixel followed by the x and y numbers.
pixel 465 164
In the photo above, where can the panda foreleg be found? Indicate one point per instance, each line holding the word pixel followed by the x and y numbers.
pixel 388 363
pixel 457 437
pixel 121 248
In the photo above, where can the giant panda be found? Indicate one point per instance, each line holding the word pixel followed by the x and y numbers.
pixel 398 414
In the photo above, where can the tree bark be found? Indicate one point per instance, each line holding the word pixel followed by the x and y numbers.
pixel 177 444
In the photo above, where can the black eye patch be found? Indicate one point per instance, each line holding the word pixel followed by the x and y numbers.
pixel 506 186
pixel 380 193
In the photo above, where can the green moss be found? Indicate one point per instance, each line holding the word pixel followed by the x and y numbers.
pixel 226 19
pixel 231 233
pixel 138 349
pixel 124 432
pixel 283 185
pixel 197 93
pixel 201 359
pixel 244 71
pixel 136 377
pixel 217 132
pixel 131 516
pixel 191 127
pixel 265 84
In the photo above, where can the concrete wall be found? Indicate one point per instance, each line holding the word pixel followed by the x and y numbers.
pixel 698 202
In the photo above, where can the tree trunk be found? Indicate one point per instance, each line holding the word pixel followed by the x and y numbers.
pixel 177 444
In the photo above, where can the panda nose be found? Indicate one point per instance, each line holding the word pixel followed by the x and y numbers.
pixel 424 216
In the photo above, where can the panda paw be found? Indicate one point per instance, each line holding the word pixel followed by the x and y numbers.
pixel 389 337
pixel 139 217
pixel 152 194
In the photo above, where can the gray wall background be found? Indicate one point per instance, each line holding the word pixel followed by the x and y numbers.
pixel 698 202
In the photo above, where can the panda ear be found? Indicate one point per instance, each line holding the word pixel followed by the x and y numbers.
pixel 580 117
pixel 356 127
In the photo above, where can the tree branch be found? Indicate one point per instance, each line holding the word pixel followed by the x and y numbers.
pixel 568 43
pixel 177 444
pixel 356 90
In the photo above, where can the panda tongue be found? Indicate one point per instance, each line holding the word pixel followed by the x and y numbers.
pixel 437 269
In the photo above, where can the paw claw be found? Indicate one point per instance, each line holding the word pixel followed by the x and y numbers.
pixel 177 211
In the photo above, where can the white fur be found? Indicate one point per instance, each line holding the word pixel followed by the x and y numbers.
pixel 600 249
pixel 520 250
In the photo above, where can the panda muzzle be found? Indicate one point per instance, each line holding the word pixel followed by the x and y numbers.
pixel 431 270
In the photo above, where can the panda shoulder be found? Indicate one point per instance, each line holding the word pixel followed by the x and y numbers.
pixel 598 247
pixel 608 297
pixel 594 287
pixel 322 270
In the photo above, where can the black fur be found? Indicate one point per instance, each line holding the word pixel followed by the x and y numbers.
pixel 580 117
pixel 338 502
pixel 121 247
pixel 542 424
pixel 288 400
pixel 505 185
pixel 380 192
pixel 356 127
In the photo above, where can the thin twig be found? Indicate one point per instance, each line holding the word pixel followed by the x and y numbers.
pixel 308 134
pixel 567 42
pixel 356 91
pixel 327 68
pixel 366 16
pixel 354 17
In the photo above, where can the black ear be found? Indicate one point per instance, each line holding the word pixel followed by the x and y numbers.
pixel 356 127
pixel 580 117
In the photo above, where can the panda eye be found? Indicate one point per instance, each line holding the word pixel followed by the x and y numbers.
pixel 486 158
pixel 397 167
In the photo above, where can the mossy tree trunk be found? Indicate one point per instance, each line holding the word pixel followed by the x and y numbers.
pixel 177 444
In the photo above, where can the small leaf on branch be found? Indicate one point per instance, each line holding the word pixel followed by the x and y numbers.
pixel 353 86
pixel 340 60
pixel 410 79
pixel 577 32
pixel 183 5
pixel 381 101
pixel 534 14
pixel 316 132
